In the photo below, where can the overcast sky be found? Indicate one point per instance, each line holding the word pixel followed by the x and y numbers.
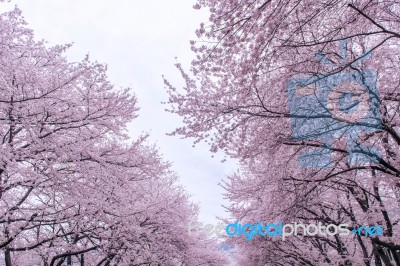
pixel 139 41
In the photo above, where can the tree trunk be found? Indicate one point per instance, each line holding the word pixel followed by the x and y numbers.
pixel 69 260
pixel 7 257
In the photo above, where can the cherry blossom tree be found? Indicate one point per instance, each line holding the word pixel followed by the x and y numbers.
pixel 257 90
pixel 74 187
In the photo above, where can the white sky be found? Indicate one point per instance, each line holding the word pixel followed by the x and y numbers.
pixel 139 41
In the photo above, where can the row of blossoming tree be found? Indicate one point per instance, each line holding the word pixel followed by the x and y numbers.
pixel 74 188
pixel 305 94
